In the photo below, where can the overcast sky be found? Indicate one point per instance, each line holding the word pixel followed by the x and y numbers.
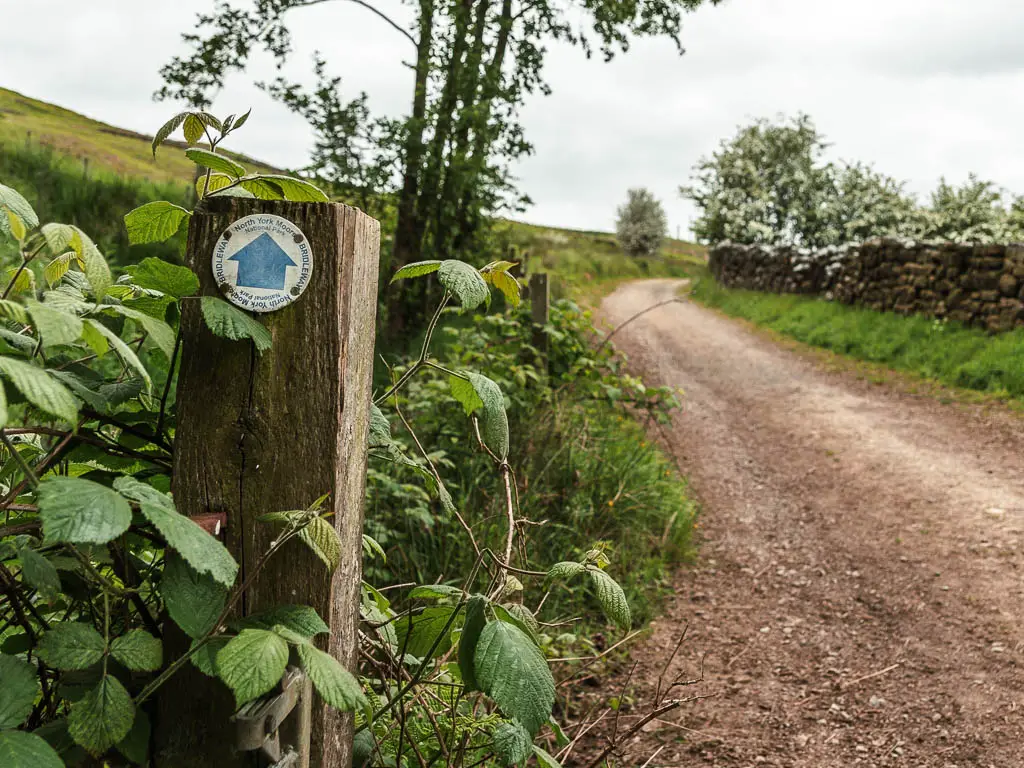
pixel 920 88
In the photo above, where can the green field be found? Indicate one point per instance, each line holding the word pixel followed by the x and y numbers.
pixel 944 352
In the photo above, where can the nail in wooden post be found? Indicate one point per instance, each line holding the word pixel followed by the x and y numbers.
pixel 540 300
pixel 271 432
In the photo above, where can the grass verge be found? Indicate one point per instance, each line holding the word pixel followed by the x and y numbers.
pixel 948 353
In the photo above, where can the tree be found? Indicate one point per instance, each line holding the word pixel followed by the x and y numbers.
pixel 769 184
pixel 474 64
pixel 641 224
pixel 972 212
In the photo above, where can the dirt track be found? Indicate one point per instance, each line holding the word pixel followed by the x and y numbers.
pixel 859 590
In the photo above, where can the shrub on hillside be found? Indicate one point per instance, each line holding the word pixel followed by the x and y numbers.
pixel 641 224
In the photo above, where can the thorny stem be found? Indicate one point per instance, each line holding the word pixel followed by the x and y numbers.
pixel 167 385
pixel 20 460
pixel 422 359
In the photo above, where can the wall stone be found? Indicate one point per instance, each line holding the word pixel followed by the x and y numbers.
pixel 980 285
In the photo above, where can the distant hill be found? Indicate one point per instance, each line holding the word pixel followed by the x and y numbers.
pixel 83 171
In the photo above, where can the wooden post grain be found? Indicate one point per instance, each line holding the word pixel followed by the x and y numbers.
pixel 264 433
pixel 540 301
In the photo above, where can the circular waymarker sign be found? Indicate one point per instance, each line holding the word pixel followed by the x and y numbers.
pixel 262 262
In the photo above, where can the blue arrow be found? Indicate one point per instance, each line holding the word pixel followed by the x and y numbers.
pixel 262 264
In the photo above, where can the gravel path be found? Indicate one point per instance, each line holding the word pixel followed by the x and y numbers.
pixel 858 595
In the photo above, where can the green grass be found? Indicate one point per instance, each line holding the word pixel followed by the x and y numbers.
pixel 945 352
pixel 584 264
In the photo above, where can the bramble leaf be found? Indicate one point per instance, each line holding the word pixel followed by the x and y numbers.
pixel 612 598
pixel 18 692
pixel 417 635
pixel 228 321
pixel 71 645
pixel 12 202
pixel 416 269
pixel 321 537
pixel 126 353
pixel 40 389
pixel 138 650
pixel 471 629
pixel 39 573
pixel 512 671
pixel 463 391
pixel 102 717
pixel 159 275
pixel 464 282
pixel 19 749
pixel 215 162
pixel 512 743
pixel 544 760
pixel 493 419
pixel 81 511
pixel 201 550
pixel 154 222
pixel 301 619
pixel 563 572
pixel 335 684
pixel 252 663
pixel 194 600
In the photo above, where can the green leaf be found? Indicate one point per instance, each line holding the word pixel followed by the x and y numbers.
pixel 58 237
pixel 193 128
pixel 18 692
pixel 252 663
pixel 95 266
pixel 264 189
pixel 12 310
pixel 434 592
pixel 429 629
pixel 194 600
pixel 493 420
pixel 321 537
pixel 158 275
pixel 40 389
pixel 380 428
pixel 301 619
pixel 138 650
pixel 126 353
pixel 71 645
pixel 563 572
pixel 470 637
pixel 462 390
pixel 205 659
pixel 160 333
pixel 58 267
pixel 215 162
pixel 26 750
pixel 81 511
pixel 3 407
pixel 512 743
pixel 416 269
pixel 167 129
pixel 135 746
pixel 612 598
pixel 241 121
pixel 39 573
pixel 228 321
pixel 197 547
pixel 544 760
pixel 294 189
pixel 102 717
pixel 335 684
pixel 497 275
pixel 55 327
pixel 512 671
pixel 522 617
pixel 464 282
pixel 154 222
pixel 13 202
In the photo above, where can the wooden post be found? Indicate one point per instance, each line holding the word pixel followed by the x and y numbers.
pixel 540 299
pixel 271 432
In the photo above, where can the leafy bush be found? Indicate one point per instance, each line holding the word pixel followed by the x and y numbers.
pixel 947 352
pixel 641 224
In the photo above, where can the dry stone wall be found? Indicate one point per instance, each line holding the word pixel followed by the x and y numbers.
pixel 981 285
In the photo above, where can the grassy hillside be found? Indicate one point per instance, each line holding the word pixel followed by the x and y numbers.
pixel 82 171
pixel 33 124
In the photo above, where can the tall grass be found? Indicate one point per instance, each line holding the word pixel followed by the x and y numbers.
pixel 946 352
pixel 61 189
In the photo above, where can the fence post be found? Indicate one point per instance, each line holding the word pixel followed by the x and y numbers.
pixel 540 299
pixel 271 432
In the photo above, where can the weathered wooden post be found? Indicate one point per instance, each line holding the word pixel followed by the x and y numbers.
pixel 271 432
pixel 540 300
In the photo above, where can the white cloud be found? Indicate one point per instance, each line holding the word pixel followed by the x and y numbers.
pixel 921 88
